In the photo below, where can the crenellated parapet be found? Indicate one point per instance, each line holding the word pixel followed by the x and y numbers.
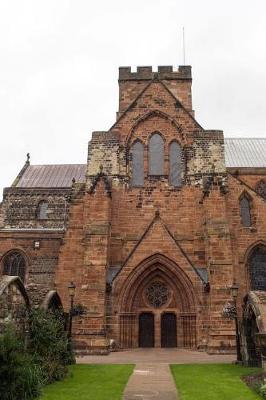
pixel 163 72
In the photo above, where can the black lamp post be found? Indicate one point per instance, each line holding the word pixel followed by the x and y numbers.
pixel 234 292
pixel 71 292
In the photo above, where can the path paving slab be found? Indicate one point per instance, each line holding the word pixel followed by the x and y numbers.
pixel 165 356
pixel 151 382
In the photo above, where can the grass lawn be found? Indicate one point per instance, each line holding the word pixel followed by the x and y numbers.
pixel 90 382
pixel 213 382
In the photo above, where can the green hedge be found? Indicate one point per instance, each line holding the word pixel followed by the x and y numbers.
pixel 29 361
pixel 20 377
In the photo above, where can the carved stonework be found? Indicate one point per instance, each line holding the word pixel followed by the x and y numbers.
pixel 157 294
pixel 261 189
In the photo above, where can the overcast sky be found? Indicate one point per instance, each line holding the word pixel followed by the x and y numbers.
pixel 59 64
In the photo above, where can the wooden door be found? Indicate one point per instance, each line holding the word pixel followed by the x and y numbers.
pixel 146 330
pixel 168 330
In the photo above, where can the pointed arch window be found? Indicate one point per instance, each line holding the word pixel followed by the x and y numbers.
pixel 156 155
pixel 245 210
pixel 261 188
pixel 175 161
pixel 42 210
pixel 257 268
pixel 14 264
pixel 137 153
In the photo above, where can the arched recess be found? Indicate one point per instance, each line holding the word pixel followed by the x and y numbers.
pixel 131 301
pixel 254 311
pixel 7 281
pixel 161 265
pixel 160 114
pixel 14 302
pixel 52 301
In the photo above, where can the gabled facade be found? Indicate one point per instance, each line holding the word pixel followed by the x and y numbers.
pixel 155 228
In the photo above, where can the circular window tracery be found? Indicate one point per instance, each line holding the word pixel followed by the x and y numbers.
pixel 157 294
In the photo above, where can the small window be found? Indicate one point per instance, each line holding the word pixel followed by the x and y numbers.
pixel 156 155
pixel 42 211
pixel 14 264
pixel 175 158
pixel 245 211
pixel 137 152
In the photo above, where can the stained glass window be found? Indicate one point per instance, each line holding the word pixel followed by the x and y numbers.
pixel 175 159
pixel 137 152
pixel 14 264
pixel 257 269
pixel 156 155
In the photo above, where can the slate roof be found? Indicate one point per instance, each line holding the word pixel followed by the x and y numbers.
pixel 52 176
pixel 239 153
pixel 245 152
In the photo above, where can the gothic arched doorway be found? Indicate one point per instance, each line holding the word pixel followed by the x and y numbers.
pixel 157 297
pixel 251 316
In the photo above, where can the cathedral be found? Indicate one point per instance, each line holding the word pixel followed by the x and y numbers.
pixel 153 231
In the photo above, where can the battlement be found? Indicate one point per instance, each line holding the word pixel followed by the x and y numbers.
pixel 164 72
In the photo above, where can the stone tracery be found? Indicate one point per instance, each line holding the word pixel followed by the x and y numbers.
pixel 157 294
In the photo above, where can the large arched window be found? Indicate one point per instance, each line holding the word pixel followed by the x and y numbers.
pixel 261 188
pixel 137 153
pixel 156 155
pixel 14 264
pixel 175 161
pixel 257 268
pixel 42 210
pixel 245 210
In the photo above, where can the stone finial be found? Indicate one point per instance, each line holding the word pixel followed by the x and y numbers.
pixel 28 158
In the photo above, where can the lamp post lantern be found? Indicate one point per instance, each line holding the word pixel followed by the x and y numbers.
pixel 234 293
pixel 71 292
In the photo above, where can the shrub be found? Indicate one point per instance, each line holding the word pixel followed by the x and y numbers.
pixel 262 390
pixel 49 345
pixel 20 377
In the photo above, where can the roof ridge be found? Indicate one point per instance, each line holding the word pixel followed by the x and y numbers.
pixel 50 165
pixel 245 138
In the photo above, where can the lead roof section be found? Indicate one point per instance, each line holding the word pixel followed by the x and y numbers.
pixel 52 176
pixel 239 153
pixel 245 152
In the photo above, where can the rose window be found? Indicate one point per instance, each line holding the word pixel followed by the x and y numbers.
pixel 157 294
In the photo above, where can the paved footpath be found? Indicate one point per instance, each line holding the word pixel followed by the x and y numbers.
pixel 151 382
pixel 152 378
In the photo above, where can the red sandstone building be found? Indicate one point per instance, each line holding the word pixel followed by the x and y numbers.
pixel 153 231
